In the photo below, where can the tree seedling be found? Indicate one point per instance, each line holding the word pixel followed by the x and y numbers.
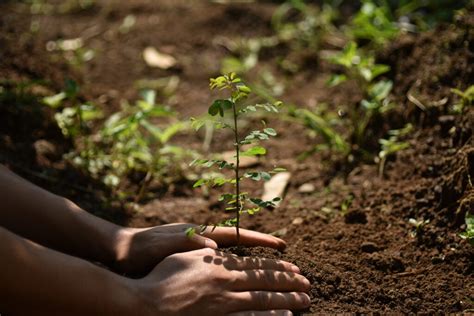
pixel 238 201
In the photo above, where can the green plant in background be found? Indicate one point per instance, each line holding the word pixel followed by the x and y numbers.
pixel 357 66
pixel 309 29
pixel 127 142
pixel 324 124
pixel 238 201
pixel 469 233
pixel 362 69
pixel 373 23
pixel 392 145
pixel 75 120
pixel 134 143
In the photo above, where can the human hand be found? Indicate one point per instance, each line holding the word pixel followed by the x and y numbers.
pixel 208 282
pixel 138 250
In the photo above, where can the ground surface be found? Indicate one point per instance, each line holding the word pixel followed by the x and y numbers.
pixel 365 261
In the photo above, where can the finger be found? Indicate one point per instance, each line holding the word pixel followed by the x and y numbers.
pixel 264 301
pixel 269 280
pixel 252 263
pixel 225 236
pixel 193 242
pixel 265 313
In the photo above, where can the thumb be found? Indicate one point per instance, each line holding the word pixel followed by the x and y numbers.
pixel 197 242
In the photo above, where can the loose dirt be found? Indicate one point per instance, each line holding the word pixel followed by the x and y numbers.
pixel 369 259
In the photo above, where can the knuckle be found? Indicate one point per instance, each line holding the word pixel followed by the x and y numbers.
pixel 265 300
pixel 267 278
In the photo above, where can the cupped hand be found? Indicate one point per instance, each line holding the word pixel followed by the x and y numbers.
pixel 138 250
pixel 208 282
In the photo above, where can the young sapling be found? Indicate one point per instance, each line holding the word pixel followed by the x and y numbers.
pixel 238 202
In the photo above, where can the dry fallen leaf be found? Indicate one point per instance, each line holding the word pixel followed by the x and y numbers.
pixel 306 188
pixel 154 58
pixel 275 187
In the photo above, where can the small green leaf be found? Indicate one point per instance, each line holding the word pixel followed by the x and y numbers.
pixel 190 232
pixel 71 89
pixel 254 151
pixel 336 80
pixel 199 183
pixel 219 106
pixel 55 101
pixel 270 131
pixel 244 88
pixel 265 176
pixel 196 124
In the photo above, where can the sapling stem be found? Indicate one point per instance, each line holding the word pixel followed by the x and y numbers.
pixel 237 176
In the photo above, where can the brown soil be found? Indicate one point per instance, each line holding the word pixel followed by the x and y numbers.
pixel 367 260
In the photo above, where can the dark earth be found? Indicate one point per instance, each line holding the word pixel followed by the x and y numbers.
pixel 369 259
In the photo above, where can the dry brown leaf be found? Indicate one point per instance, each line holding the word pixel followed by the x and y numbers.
pixel 154 58
pixel 276 186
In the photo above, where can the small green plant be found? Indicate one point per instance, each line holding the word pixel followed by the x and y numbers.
pixel 374 23
pixel 419 225
pixel 73 50
pixel 469 233
pixel 76 119
pixel 362 69
pixel 325 125
pixel 238 201
pixel 304 27
pixel 392 145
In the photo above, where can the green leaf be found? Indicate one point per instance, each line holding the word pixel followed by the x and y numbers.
pixel 254 151
pixel 380 89
pixel 336 80
pixel 379 69
pixel 196 124
pixel 55 101
pixel 270 131
pixel 149 96
pixel 199 183
pixel 243 88
pixel 71 89
pixel 190 232
pixel 219 106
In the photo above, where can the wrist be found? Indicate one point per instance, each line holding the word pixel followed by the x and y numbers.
pixel 142 301
pixel 100 235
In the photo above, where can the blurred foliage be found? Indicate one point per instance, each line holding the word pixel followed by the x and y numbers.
pixel 127 143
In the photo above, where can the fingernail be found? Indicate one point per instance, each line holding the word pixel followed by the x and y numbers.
pixel 295 269
pixel 210 244
pixel 306 300
pixel 288 313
